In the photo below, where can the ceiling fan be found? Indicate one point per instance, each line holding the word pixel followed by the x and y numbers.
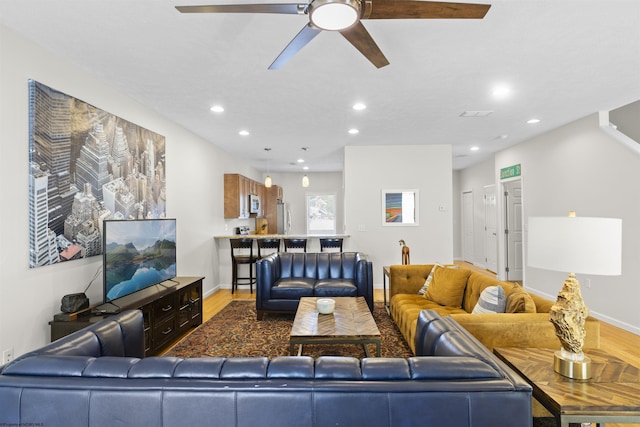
pixel 345 16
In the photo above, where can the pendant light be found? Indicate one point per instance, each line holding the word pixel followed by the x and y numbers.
pixel 305 178
pixel 267 180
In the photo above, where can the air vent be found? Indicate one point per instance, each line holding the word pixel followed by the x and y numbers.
pixel 476 113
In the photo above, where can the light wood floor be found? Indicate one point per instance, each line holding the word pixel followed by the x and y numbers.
pixel 616 341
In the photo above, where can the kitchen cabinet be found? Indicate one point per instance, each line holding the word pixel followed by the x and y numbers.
pixel 235 205
pixel 236 195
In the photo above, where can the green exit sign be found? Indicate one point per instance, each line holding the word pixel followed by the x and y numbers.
pixel 510 172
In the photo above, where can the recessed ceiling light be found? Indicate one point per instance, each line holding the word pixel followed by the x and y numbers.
pixel 243 133
pixel 474 148
pixel 501 91
pixel 533 121
pixel 359 106
pixel 306 168
pixel 300 160
pixel 217 108
pixel 354 131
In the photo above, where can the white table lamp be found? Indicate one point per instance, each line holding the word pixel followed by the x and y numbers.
pixel 575 245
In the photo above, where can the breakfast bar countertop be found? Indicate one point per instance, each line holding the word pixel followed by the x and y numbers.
pixel 282 236
pixel 223 248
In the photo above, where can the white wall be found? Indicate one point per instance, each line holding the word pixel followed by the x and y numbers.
pixel 579 167
pixel 30 297
pixel 626 120
pixel 474 179
pixel 457 215
pixel 370 169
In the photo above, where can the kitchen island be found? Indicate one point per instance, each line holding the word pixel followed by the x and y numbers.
pixel 313 241
pixel 254 235
pixel 223 249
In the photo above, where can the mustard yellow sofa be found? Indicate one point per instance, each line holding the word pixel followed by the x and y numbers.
pixel 528 327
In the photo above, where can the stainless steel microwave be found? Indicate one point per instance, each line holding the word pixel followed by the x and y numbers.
pixel 254 204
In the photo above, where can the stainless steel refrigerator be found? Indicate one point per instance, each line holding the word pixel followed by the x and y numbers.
pixel 283 218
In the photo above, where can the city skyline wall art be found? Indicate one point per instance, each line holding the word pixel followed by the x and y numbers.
pixel 86 166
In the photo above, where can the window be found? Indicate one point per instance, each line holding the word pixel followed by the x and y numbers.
pixel 321 214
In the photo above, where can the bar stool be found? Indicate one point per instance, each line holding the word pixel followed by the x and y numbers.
pixel 239 256
pixel 331 243
pixel 268 243
pixel 295 244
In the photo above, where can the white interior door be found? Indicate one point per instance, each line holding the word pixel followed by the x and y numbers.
pixel 467 226
pixel 513 233
pixel 490 228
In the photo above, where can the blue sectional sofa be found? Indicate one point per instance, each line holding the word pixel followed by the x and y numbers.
pixel 283 278
pixel 96 377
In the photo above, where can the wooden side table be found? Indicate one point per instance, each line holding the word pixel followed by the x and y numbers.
pixel 611 396
pixel 386 274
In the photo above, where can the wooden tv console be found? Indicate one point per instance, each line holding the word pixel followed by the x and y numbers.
pixel 170 310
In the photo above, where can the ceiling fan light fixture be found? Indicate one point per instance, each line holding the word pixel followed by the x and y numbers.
pixel 334 15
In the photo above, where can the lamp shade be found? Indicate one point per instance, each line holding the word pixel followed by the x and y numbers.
pixel 576 244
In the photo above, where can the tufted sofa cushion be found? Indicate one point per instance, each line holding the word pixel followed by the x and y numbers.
pixel 283 278
pixel 523 329
pixel 456 383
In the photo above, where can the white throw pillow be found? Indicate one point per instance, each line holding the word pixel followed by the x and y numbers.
pixel 424 287
pixel 492 300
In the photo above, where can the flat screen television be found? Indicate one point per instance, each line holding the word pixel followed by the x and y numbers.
pixel 137 254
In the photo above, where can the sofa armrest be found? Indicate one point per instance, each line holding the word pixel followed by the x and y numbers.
pixel 496 330
pixel 267 273
pixel 407 279
pixel 364 279
pixel 118 335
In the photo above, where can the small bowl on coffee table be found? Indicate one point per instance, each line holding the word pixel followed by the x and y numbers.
pixel 325 305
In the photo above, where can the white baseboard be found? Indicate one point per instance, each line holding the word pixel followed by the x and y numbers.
pixel 602 317
pixel 215 289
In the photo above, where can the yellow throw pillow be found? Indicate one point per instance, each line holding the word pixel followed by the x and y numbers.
pixel 519 301
pixel 427 282
pixel 447 286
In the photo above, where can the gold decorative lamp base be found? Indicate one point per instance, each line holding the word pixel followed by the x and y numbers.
pixel 574 369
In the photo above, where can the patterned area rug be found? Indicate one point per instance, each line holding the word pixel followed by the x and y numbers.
pixel 234 331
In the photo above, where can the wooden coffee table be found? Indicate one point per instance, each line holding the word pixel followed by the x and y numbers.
pixel 611 396
pixel 350 323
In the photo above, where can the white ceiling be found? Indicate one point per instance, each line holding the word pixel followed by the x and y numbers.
pixel 562 59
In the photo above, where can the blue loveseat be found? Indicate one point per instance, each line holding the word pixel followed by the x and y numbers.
pixel 283 278
pixel 97 377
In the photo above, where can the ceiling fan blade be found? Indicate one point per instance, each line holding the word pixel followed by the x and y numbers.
pixel 283 8
pixel 299 41
pixel 412 9
pixel 360 38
